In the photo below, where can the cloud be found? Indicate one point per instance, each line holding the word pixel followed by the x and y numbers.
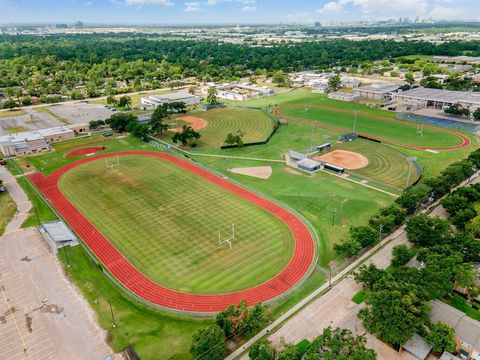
pixel 148 2
pixel 193 6
pixel 300 17
pixel 249 8
pixel 447 13
pixel 378 8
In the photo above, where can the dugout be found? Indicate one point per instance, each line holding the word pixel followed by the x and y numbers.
pixel 324 147
pixel 335 168
pixel 309 165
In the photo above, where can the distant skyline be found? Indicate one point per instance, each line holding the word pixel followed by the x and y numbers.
pixel 230 11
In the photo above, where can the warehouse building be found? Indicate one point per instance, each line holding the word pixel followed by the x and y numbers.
pixel 155 101
pixel 420 98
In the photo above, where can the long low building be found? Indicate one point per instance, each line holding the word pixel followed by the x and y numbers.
pixel 378 91
pixel 30 142
pixel 420 98
pixel 155 101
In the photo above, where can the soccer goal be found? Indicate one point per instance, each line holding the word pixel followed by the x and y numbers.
pixel 420 129
pixel 112 163
pixel 227 240
pixel 307 107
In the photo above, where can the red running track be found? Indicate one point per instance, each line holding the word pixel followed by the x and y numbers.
pixel 85 151
pixel 465 140
pixel 146 289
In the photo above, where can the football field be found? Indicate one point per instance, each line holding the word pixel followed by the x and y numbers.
pixel 165 221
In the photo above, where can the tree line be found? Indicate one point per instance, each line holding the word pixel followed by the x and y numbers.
pixel 91 65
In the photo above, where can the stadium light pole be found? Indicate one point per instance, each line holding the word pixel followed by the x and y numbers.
pixel 333 217
pixel 111 313
pixel 66 255
pixel 355 122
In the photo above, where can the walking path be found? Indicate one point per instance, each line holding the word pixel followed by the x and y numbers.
pixel 42 315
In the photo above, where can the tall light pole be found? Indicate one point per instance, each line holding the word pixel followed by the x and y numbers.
pixel 355 122
pixel 333 217
pixel 410 161
pixel 111 313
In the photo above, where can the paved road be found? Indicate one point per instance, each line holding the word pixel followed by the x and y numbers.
pixel 42 315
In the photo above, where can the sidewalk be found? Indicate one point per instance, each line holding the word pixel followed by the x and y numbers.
pixel 16 192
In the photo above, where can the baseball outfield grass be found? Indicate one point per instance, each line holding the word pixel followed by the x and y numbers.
pixel 165 221
pixel 255 124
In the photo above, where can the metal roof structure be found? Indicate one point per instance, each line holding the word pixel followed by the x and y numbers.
pixel 418 347
pixel 59 232
pixel 439 95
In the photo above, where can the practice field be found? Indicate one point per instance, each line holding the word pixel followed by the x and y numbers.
pixel 162 216
pixel 380 128
pixel 255 125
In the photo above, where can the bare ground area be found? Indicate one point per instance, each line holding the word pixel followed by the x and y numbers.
pixel 347 159
pixel 261 172
pixel 196 122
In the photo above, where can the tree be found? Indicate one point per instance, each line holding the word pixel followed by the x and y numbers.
pixel 139 130
pixel 111 100
pixel 465 278
pixel 186 135
pixel 413 197
pixel 159 115
pixel 212 95
pixel 192 89
pixel 347 248
pixel 120 121
pixel 235 139
pixel 364 235
pixel 476 114
pixel 26 101
pixel 10 104
pixel 209 343
pixel 339 344
pixel 401 255
pixel 125 102
pixel 396 310
pixel 457 110
pixel 442 338
pixel 409 77
pixel 368 275
pixel 424 230
pixel 95 124
pixel 279 78
pixel 334 82
pixel 262 350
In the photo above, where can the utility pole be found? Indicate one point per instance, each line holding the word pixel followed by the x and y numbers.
pixel 66 255
pixel 111 313
pixel 333 217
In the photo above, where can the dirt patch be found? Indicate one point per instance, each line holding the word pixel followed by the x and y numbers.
pixel 347 159
pixel 196 122
pixel 85 151
pixel 261 172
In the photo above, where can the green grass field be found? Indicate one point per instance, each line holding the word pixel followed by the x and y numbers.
pixel 385 163
pixel 7 210
pixel 255 125
pixel 166 220
pixel 395 131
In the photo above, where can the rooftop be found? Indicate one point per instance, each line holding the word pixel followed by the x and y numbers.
pixel 308 163
pixel 171 96
pixel 448 96
pixel 55 131
pixel 418 346
pixel 466 329
pixel 380 87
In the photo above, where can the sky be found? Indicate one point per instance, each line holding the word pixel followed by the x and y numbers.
pixel 230 11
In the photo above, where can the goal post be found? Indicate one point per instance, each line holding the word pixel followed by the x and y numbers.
pixel 111 164
pixel 227 240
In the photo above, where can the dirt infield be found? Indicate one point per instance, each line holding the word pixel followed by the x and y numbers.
pixel 85 151
pixel 347 159
pixel 196 122
pixel 465 140
pixel 147 290
pixel 261 172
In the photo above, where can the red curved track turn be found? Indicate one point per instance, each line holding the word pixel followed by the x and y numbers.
pixel 464 144
pixel 146 289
